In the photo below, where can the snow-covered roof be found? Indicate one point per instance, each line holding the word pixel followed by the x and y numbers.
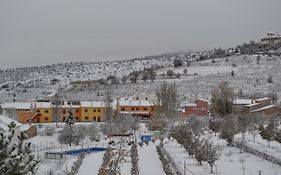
pixel 254 104
pixel 266 107
pixel 135 112
pixel 191 105
pixel 92 104
pixel 262 99
pixel 42 104
pixel 203 100
pixel 16 105
pixel 243 101
pixel 123 102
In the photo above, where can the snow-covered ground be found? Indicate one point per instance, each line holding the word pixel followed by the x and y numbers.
pixel 149 162
pixel 262 145
pixel 91 164
pixel 230 166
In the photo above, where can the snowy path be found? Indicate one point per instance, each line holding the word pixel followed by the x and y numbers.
pixel 91 164
pixel 149 162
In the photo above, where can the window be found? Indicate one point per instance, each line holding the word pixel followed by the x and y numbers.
pixel 46 111
pixel 95 110
pixel 98 119
pixel 145 108
pixel 86 110
pixel 98 110
pixel 122 109
pixel 86 118
pixel 46 118
pixel 95 118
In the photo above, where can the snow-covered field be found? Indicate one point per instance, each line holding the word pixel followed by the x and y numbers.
pixel 149 162
pixel 225 166
pixel 201 78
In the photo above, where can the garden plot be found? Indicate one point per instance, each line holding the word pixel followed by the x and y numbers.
pixel 230 165
pixel 261 145
pixel 57 167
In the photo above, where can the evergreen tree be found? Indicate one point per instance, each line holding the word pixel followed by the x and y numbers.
pixel 70 121
pixel 269 133
pixel 16 157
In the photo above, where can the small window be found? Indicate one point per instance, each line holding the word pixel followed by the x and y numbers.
pixel 46 118
pixel 46 111
pixel 95 110
pixel 98 110
pixel 122 109
pixel 86 118
pixel 86 110
pixel 98 119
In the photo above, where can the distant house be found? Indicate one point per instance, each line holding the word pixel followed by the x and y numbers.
pixel 239 105
pixel 262 105
pixel 271 38
pixel 199 108
pixel 135 107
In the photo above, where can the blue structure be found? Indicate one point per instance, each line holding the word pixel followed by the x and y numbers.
pixel 146 138
pixel 86 150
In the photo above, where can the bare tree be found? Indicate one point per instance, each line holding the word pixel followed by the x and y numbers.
pixel 56 102
pixel 109 115
pixel 167 104
pixel 222 97
pixel 213 153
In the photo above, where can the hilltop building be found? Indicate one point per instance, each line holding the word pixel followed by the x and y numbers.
pixel 271 38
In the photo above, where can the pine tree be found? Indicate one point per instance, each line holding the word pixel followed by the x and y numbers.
pixel 269 133
pixel 70 121
pixel 16 157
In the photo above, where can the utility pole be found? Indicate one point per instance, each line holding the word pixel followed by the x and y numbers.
pixel 184 166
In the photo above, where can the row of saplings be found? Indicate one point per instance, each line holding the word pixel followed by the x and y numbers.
pixel 202 150
pixel 229 126
pixel 114 157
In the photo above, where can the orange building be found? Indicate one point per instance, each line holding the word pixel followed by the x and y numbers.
pixel 142 108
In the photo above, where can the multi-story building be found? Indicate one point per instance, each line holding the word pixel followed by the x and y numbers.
pixel 199 108
pixel 92 111
pixel 271 38
pixel 135 107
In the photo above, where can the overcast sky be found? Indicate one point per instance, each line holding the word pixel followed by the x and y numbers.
pixel 39 32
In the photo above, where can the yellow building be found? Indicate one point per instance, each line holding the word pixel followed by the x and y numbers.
pixel 62 110
pixel 142 108
pixel 43 112
pixel 92 111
